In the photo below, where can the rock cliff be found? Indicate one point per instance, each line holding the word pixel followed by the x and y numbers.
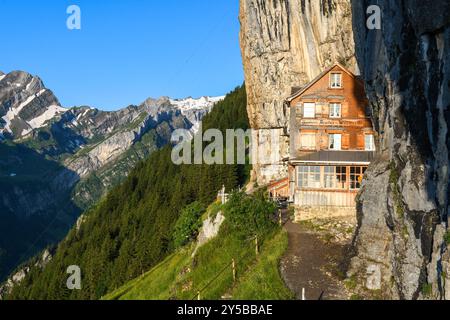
pixel 401 242
pixel 285 44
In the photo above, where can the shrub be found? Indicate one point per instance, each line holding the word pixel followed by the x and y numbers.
pixel 250 215
pixel 447 237
pixel 427 290
pixel 188 224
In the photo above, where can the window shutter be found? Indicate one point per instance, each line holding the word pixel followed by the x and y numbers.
pixel 361 111
pixel 345 110
pixel 346 141
pixel 324 141
pixel 318 110
pixel 326 110
pixel 360 141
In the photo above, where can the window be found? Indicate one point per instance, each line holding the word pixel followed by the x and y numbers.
pixel 308 141
pixel 341 175
pixel 309 110
pixel 309 177
pixel 336 80
pixel 335 177
pixel 356 177
pixel 335 110
pixel 335 142
pixel 370 142
pixel 331 177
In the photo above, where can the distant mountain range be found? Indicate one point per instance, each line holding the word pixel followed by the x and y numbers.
pixel 56 162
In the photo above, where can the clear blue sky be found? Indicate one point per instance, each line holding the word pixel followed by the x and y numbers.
pixel 126 51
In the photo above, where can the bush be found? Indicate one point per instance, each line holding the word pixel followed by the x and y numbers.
pixel 447 237
pixel 188 225
pixel 427 290
pixel 250 215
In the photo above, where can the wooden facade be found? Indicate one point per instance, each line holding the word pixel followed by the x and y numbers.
pixel 279 190
pixel 332 140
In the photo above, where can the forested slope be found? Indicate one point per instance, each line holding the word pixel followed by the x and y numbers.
pixel 130 230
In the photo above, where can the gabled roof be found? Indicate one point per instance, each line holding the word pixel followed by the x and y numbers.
pixel 320 76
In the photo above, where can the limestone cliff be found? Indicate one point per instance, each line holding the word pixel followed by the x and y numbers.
pixel 285 44
pixel 403 207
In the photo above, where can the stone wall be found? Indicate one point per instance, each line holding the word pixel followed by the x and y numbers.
pixel 303 213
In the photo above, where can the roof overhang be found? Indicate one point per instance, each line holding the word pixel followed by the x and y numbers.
pixel 320 76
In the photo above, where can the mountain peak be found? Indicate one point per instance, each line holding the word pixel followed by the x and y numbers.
pixel 29 104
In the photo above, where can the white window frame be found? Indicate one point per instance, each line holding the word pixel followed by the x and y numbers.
pixel 309 175
pixel 335 139
pixel 307 106
pixel 369 144
pixel 333 108
pixel 333 83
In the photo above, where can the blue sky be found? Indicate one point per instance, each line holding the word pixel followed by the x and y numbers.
pixel 126 50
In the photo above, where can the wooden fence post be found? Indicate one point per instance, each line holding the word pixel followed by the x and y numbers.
pixel 257 246
pixel 233 266
pixel 280 217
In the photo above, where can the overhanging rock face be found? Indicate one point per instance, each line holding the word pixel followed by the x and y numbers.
pixel 286 44
pixel 403 206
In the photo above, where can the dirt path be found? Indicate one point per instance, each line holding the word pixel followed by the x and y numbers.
pixel 310 263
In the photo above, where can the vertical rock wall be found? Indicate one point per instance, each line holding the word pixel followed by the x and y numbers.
pixel 403 207
pixel 285 44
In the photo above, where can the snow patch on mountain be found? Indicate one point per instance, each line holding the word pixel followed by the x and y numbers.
pixel 195 109
pixel 28 101
pixel 14 112
pixel 49 114
pixel 200 103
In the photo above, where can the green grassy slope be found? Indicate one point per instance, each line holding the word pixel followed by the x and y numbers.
pixel 181 276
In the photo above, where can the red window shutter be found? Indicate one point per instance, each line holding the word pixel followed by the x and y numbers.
pixel 325 110
pixel 323 141
pixel 345 110
pixel 360 141
pixel 346 141
pixel 361 111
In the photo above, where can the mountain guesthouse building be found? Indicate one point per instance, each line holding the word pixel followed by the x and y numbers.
pixel 332 142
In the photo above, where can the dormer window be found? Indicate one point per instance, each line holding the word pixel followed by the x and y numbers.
pixel 336 80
